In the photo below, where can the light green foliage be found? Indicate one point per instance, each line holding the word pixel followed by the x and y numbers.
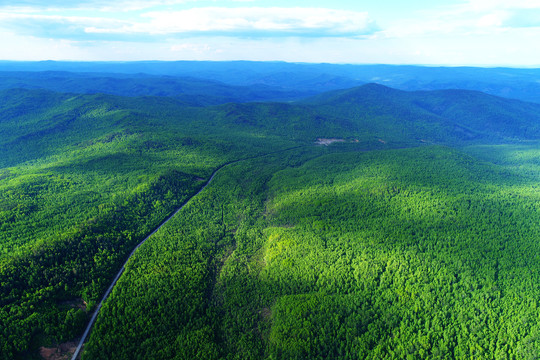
pixel 94 178
pixel 349 251
pixel 440 246
pixel 415 253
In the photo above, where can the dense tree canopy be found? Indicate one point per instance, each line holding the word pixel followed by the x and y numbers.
pixel 421 253
pixel 413 235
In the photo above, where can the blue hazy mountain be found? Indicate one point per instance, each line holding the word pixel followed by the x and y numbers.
pixel 523 84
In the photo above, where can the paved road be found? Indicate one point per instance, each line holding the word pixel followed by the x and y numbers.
pixel 96 312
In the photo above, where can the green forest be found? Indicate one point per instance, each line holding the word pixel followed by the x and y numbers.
pixel 412 235
pixel 345 255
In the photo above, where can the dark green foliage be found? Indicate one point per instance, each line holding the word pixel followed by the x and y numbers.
pixel 84 179
pixel 174 281
pixel 451 117
pixel 77 261
pixel 356 250
pixel 423 253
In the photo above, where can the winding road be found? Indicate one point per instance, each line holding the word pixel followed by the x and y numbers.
pixel 96 312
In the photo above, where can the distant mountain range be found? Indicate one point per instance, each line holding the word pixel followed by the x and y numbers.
pixel 304 79
pixel 189 90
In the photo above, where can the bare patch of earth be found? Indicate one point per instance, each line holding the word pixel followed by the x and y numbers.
pixel 266 313
pixel 60 352
pixel 78 304
pixel 326 142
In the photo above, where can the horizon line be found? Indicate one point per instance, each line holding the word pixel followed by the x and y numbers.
pixel 483 66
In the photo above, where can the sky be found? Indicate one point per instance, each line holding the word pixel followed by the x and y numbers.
pixel 423 32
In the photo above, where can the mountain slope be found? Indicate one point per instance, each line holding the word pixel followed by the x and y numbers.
pixel 36 123
pixel 444 116
pixel 83 178
pixel 423 253
pixel 192 91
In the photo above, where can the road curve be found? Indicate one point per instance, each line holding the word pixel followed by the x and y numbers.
pixel 96 312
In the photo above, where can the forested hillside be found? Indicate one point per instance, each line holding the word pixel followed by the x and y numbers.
pixel 414 253
pixel 412 235
pixel 446 116
pixel 189 90
pixel 86 177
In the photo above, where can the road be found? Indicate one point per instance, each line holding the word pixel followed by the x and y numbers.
pixel 96 312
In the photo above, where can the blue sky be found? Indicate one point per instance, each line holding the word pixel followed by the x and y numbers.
pixel 445 32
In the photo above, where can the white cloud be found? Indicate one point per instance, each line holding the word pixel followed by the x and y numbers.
pixel 17 47
pixel 250 21
pixel 488 5
pixel 475 17
pixel 476 32
pixel 135 5
pixel 501 14
pixel 495 19
pixel 93 5
pixel 54 26
pixel 192 47
pixel 244 22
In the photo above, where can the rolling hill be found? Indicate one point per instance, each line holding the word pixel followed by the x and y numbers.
pixel 443 116
pixel 412 236
pixel 189 90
